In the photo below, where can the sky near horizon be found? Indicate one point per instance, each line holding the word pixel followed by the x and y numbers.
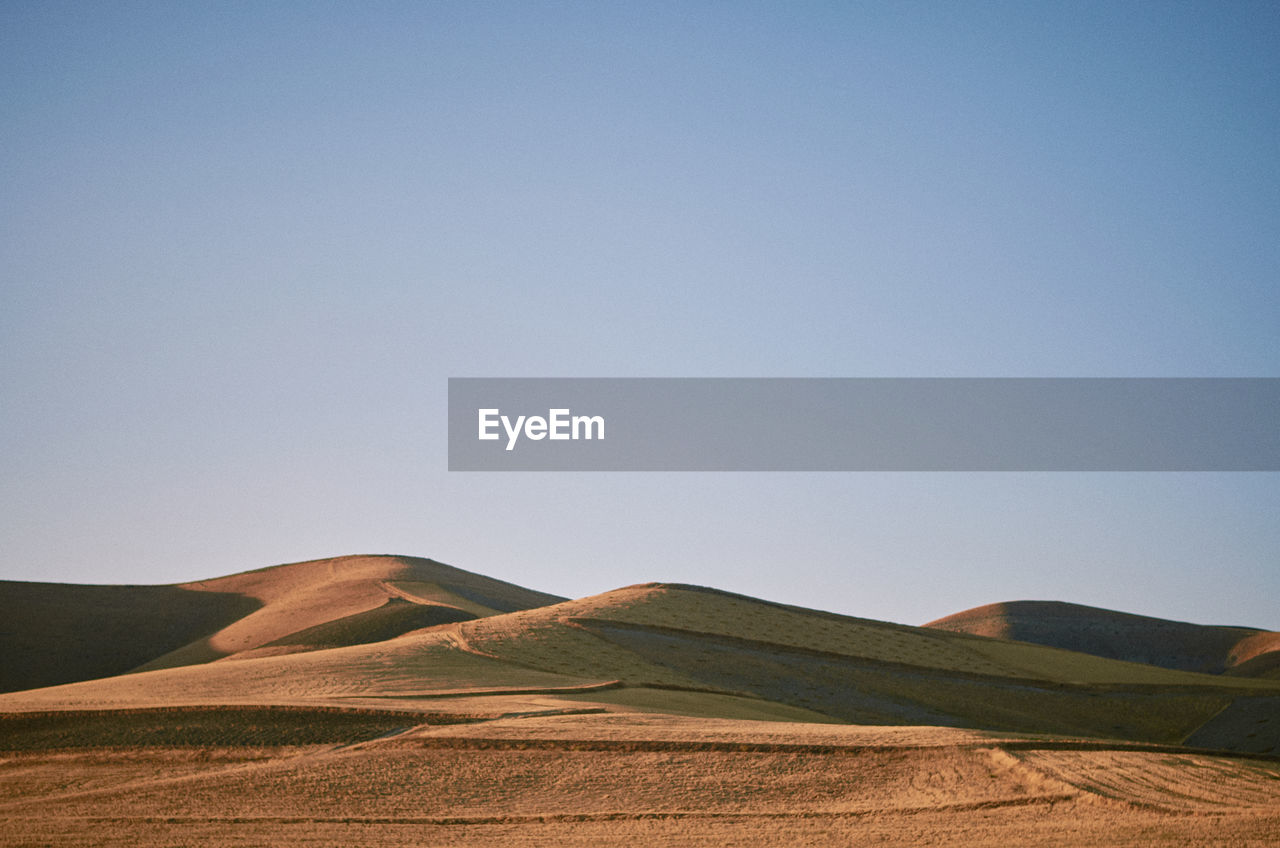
pixel 243 246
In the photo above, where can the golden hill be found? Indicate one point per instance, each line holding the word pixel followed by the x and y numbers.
pixel 394 701
pixel 1124 636
pixel 664 648
pixel 56 633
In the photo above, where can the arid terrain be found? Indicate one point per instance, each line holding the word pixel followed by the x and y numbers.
pixel 381 700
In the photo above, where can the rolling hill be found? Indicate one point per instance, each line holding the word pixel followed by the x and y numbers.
pixel 1124 636
pixel 376 633
pixel 57 633
pixel 394 700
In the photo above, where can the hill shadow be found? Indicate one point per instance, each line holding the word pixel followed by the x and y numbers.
pixel 53 633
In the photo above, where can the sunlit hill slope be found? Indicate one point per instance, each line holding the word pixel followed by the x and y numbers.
pixel 1123 636
pixel 395 633
pixel 58 633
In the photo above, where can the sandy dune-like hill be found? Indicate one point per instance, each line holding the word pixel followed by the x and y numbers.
pixel 397 701
pixel 681 650
pixel 57 633
pixel 1124 636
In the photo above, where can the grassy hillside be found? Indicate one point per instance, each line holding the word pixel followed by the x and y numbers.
pixel 1118 635
pixel 695 651
pixel 55 633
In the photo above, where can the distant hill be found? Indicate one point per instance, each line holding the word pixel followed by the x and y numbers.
pixel 1124 636
pixel 53 633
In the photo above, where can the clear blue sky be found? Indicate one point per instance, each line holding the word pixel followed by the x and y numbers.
pixel 243 246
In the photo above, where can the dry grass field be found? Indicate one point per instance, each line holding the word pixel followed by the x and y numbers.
pixel 587 779
pixel 395 701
